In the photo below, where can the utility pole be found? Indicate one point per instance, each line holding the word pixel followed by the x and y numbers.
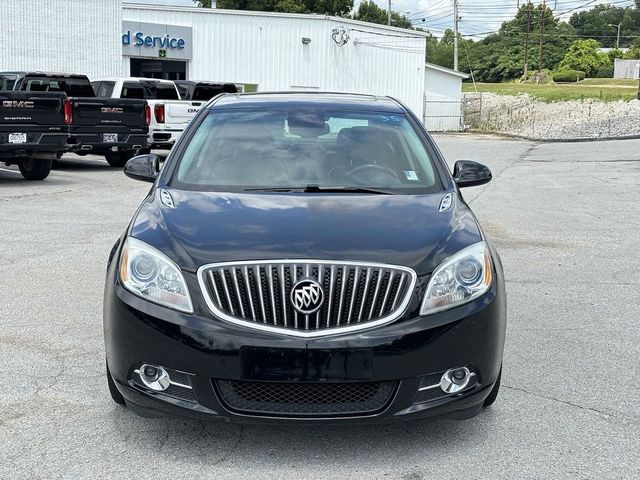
pixel 389 14
pixel 618 37
pixel 455 35
pixel 544 10
pixel 526 41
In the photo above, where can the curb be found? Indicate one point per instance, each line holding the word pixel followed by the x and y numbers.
pixel 553 140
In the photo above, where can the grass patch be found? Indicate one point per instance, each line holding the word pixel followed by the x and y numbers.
pixel 605 89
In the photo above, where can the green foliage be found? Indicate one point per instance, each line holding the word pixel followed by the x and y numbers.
pixel 323 7
pixel 634 51
pixel 568 76
pixel 440 51
pixel 602 22
pixel 368 11
pixel 500 56
pixel 583 55
pixel 604 72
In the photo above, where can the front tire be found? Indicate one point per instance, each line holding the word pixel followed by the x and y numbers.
pixel 116 396
pixel 34 169
pixel 494 391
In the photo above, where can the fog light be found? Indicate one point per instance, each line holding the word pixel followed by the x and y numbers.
pixel 456 380
pixel 154 378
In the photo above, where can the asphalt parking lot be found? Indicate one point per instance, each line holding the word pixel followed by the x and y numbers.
pixel 565 218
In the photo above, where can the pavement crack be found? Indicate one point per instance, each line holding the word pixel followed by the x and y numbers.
pixel 522 157
pixel 607 415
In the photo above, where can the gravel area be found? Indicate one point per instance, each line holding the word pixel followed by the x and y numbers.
pixel 526 116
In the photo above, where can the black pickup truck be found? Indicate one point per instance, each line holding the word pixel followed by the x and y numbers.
pixel 113 127
pixel 34 130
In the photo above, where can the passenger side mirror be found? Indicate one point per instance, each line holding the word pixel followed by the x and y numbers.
pixel 467 173
pixel 143 167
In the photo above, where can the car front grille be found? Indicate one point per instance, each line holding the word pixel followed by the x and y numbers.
pixel 259 294
pixel 305 399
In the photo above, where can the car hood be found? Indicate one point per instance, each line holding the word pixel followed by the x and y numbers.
pixel 209 227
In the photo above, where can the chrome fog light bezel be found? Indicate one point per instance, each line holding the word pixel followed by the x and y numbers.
pixel 450 385
pixel 159 383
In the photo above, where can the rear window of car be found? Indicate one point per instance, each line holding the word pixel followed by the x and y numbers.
pixel 149 91
pixel 73 87
pixel 207 92
pixel 293 148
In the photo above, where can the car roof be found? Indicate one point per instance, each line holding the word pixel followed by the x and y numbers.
pixel 349 101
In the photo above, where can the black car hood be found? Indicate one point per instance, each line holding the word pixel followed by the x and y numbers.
pixel 209 227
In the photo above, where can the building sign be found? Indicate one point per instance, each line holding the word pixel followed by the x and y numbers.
pixel 141 39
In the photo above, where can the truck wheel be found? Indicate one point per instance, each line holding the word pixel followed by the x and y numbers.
pixel 116 159
pixel 34 169
pixel 113 390
pixel 494 391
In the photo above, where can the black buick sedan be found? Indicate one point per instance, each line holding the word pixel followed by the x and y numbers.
pixel 304 257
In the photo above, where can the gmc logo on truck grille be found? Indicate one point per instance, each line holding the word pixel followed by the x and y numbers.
pixel 112 109
pixel 17 104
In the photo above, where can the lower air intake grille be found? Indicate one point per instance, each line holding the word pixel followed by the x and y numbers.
pixel 305 399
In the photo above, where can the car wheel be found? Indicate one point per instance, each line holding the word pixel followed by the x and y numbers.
pixel 33 169
pixel 113 390
pixel 116 159
pixel 494 391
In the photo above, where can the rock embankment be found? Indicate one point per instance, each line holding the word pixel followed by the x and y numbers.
pixel 526 116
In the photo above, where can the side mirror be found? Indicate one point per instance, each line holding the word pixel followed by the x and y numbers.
pixel 469 174
pixel 143 167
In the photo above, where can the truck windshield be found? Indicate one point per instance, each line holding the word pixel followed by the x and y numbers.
pixel 73 87
pixel 149 91
pixel 237 150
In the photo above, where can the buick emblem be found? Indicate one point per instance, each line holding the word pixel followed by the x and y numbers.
pixel 307 296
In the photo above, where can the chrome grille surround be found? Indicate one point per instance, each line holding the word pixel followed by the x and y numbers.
pixel 373 294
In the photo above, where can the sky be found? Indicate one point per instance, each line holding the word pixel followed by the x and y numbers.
pixel 477 17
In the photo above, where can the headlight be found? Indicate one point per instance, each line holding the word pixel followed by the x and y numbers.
pixel 459 279
pixel 152 275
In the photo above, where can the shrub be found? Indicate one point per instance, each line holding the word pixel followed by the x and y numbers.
pixel 604 72
pixel 568 76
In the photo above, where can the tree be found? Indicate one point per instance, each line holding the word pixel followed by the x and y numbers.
pixel 368 11
pixel 440 51
pixel 322 7
pixel 583 55
pixel 500 56
pixel 602 20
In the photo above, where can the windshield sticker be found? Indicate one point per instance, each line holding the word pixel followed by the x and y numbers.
pixel 411 175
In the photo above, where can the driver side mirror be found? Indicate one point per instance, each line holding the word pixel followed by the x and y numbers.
pixel 467 173
pixel 143 167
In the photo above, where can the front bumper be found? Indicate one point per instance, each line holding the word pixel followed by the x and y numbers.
pixel 211 350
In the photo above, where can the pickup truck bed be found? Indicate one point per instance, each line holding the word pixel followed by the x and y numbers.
pixel 34 130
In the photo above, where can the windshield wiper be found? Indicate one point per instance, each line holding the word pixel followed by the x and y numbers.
pixel 347 189
pixel 313 188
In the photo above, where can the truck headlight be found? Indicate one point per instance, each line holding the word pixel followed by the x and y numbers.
pixel 150 274
pixel 459 279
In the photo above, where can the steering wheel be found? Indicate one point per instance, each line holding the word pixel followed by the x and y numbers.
pixel 384 170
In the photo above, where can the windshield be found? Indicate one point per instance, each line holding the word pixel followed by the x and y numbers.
pixel 296 148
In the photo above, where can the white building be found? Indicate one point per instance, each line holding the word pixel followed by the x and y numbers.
pixel 261 51
pixel 443 98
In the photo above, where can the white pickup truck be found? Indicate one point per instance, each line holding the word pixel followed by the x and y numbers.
pixel 169 114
